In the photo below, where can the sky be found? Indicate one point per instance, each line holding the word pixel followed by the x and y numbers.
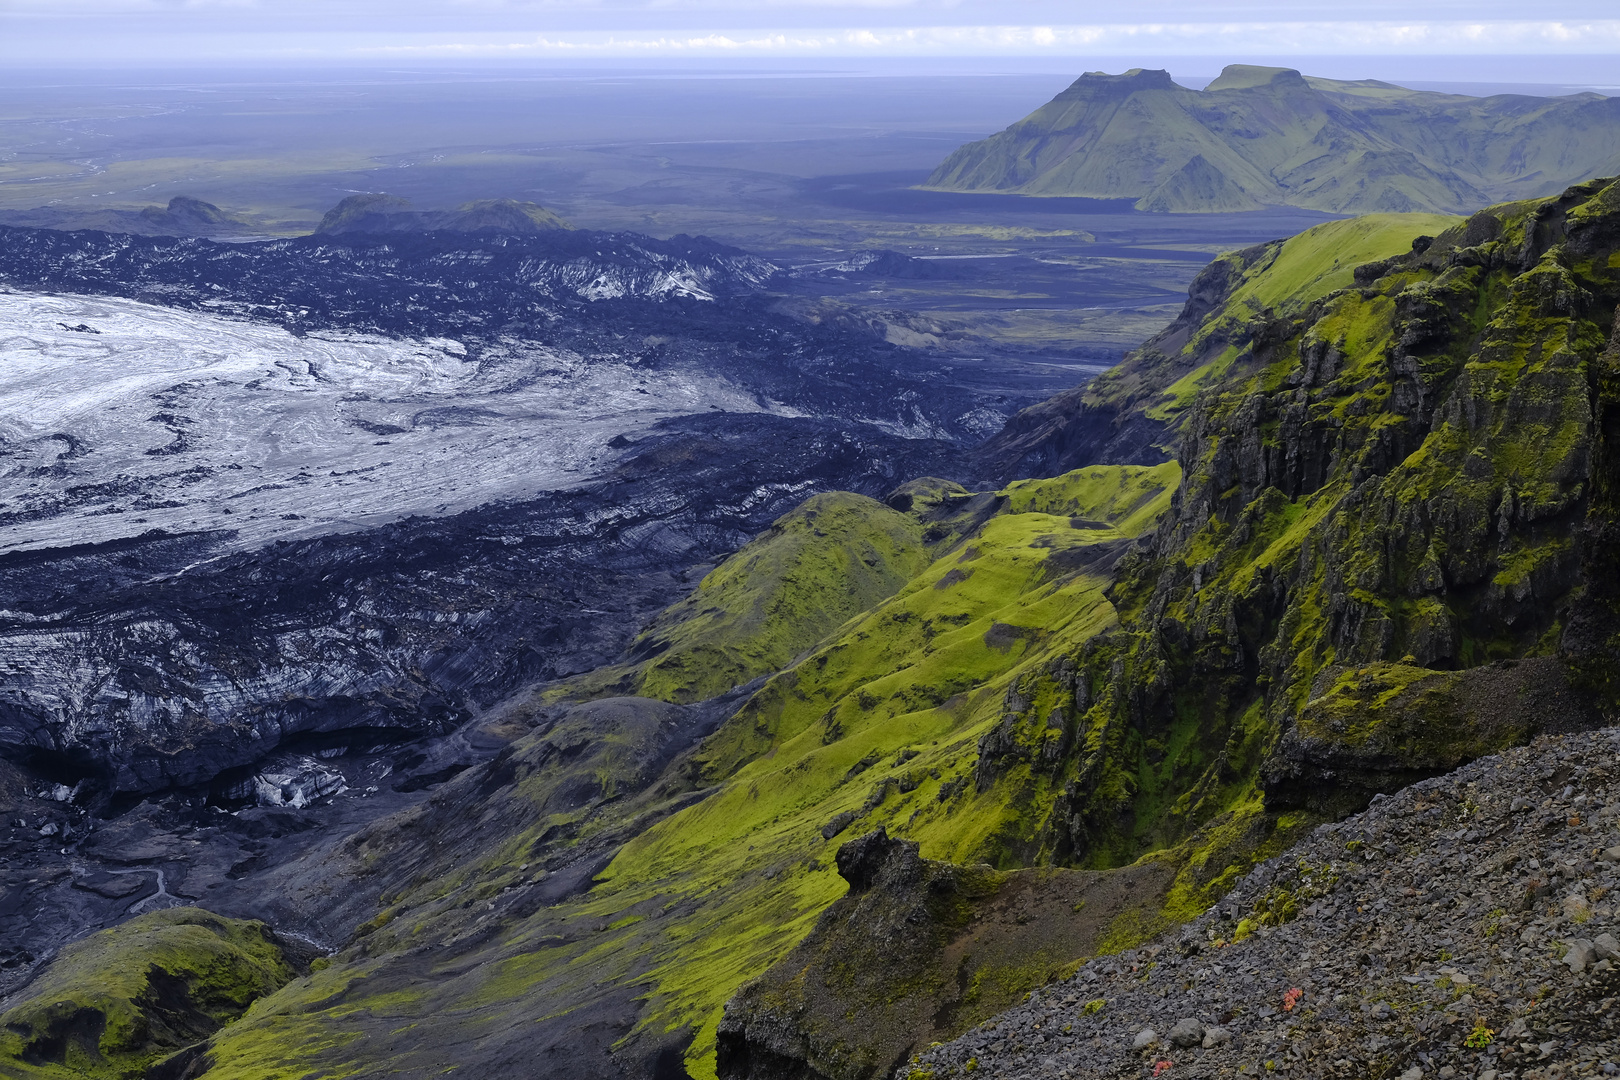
pixel 180 32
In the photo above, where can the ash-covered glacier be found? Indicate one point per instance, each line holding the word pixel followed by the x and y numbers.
pixel 256 496
pixel 119 417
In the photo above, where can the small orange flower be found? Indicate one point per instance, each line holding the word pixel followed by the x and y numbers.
pixel 1160 1066
pixel 1291 998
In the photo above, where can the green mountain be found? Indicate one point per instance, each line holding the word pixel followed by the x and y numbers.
pixel 1352 520
pixel 1260 137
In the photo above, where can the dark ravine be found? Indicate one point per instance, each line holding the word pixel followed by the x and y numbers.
pixel 954 940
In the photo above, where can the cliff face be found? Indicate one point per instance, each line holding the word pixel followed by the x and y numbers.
pixel 1394 479
pixel 1390 553
pixel 1270 136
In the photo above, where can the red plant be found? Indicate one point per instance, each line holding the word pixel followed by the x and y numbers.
pixel 1291 998
pixel 1160 1066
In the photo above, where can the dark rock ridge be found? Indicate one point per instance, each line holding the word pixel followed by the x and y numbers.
pixel 380 213
pixel 183 216
pixel 1390 554
pixel 1389 481
pixel 1464 927
pixel 947 936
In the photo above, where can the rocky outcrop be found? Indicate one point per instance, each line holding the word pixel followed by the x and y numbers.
pixel 957 943
pixel 1376 729
pixel 130 997
pixel 1465 926
pixel 1384 483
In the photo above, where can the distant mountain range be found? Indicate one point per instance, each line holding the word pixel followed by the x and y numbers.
pixel 184 216
pixel 380 213
pixel 372 212
pixel 1260 136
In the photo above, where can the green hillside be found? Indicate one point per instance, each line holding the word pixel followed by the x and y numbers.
pixel 1078 707
pixel 1271 137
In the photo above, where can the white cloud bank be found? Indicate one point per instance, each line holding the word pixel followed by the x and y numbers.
pixel 1600 36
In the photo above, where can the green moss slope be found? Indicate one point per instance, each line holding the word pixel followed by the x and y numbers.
pixel 877 725
pixel 123 998
pixel 831 558
pixel 1362 561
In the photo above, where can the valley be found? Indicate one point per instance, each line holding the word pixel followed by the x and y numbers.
pixel 533 643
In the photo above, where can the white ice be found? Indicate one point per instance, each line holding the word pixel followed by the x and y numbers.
pixel 183 421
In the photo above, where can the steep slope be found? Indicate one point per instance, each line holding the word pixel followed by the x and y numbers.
pixel 1364 580
pixel 119 1001
pixel 1271 137
pixel 1464 927
pixel 1385 483
pixel 1133 412
pixel 833 557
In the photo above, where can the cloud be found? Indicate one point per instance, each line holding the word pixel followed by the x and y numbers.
pixel 1169 38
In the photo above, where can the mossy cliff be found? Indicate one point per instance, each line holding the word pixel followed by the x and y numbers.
pixel 1393 473
pixel 1134 411
pixel 624 863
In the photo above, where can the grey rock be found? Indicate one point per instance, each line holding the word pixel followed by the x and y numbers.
pixel 838 824
pixel 1581 953
pixel 1216 1036
pixel 1607 947
pixel 1144 1039
pixel 1187 1032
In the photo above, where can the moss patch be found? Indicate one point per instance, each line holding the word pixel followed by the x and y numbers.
pixel 123 998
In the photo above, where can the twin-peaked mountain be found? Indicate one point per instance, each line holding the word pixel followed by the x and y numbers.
pixel 1261 136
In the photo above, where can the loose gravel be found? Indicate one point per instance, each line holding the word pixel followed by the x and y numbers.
pixel 1464 927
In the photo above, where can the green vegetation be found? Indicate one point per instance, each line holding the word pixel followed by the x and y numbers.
pixel 833 557
pixel 123 998
pixel 1270 137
